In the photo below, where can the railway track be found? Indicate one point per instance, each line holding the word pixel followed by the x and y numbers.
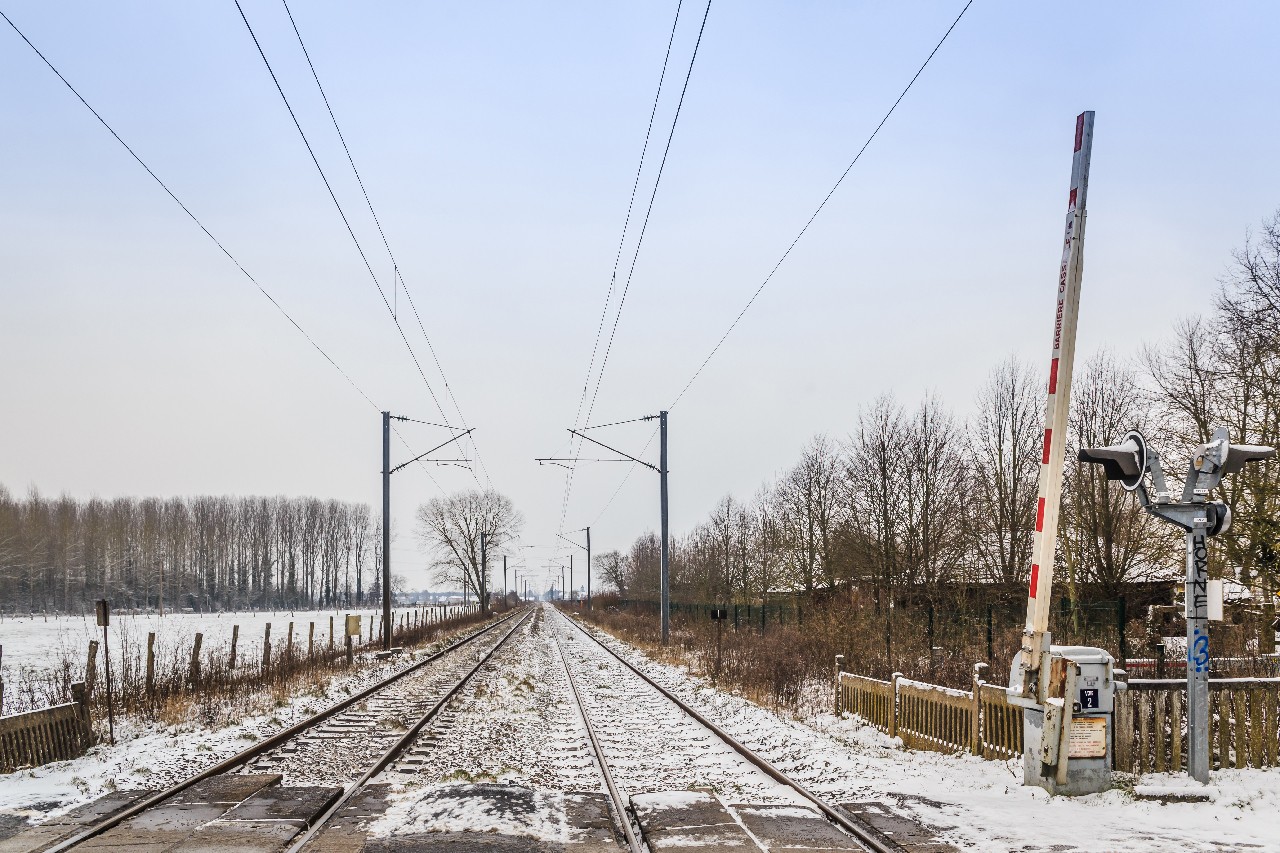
pixel 867 839
pixel 348 743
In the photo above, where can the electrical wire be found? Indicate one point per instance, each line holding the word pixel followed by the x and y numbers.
pixel 818 210
pixel 341 212
pixel 644 227
pixel 397 277
pixel 221 247
pixel 792 245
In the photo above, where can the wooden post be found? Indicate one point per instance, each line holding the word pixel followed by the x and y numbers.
pixel 893 709
pixel 151 663
pixel 235 637
pixel 266 651
pixel 311 641
pixel 288 644
pixel 195 661
pixel 91 668
pixel 975 724
pixel 330 633
pixel 350 653
pixel 839 672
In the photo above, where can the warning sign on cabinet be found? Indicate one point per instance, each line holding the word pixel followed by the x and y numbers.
pixel 1088 738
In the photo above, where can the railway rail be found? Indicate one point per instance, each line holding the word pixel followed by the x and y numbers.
pixel 242 760
pixel 869 840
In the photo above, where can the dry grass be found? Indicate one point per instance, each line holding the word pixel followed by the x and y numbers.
pixel 224 691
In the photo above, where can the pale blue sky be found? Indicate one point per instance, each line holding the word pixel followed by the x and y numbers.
pixel 499 141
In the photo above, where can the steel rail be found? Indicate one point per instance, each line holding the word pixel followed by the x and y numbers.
pixel 839 818
pixel 403 743
pixel 619 807
pixel 247 755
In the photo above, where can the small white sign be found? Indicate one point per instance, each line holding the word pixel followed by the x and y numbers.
pixel 1213 592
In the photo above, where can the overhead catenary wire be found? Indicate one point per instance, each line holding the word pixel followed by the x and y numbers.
pixel 644 227
pixel 342 213
pixel 820 206
pixel 792 245
pixel 397 276
pixel 222 248
pixel 204 229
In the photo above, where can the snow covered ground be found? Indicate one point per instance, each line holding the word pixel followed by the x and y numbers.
pixel 153 755
pixel 514 724
pixel 977 804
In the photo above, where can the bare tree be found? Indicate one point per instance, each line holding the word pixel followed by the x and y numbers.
pixel 1004 462
pixel 450 528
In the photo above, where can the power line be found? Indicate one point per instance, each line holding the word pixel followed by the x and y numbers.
pixel 644 227
pixel 823 204
pixel 792 245
pixel 341 212
pixel 189 214
pixel 222 248
pixel 397 277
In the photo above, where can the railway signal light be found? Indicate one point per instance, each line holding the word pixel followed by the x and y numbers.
pixel 1131 462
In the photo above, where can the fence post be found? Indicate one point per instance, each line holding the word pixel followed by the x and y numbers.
pixel 331 634
pixel 311 641
pixel 195 661
pixel 151 663
pixel 91 668
pixel 235 637
pixel 266 651
pixel 839 680
pixel 1159 660
pixel 893 717
pixel 80 696
pixel 288 645
pixel 975 724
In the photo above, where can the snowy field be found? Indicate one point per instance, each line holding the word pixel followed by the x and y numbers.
pixel 37 644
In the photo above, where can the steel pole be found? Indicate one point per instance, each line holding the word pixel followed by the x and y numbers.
pixel 483 593
pixel 1197 611
pixel 664 566
pixel 386 531
pixel 505 591
pixel 588 568
pixel 572 589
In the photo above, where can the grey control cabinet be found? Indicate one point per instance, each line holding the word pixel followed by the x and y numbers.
pixel 1091 740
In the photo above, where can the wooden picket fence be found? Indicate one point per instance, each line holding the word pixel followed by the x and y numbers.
pixel 1150 719
pixel 56 733
pixel 927 716
pixel 1151 724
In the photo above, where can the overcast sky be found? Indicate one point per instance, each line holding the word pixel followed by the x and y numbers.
pixel 499 142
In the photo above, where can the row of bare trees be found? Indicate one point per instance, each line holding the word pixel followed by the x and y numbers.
pixel 916 499
pixel 202 553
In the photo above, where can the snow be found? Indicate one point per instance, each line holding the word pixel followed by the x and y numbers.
pixel 982 805
pixel 155 755
pixel 39 641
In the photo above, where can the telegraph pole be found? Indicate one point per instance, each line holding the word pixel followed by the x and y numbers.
pixel 572 589
pixel 662 476
pixel 588 568
pixel 505 591
pixel 386 531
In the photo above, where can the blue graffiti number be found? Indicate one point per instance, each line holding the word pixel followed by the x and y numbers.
pixel 1199 655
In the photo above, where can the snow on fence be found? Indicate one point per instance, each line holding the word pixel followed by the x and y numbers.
pixel 51 734
pixel 928 716
pixel 1151 724
pixel 1150 721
